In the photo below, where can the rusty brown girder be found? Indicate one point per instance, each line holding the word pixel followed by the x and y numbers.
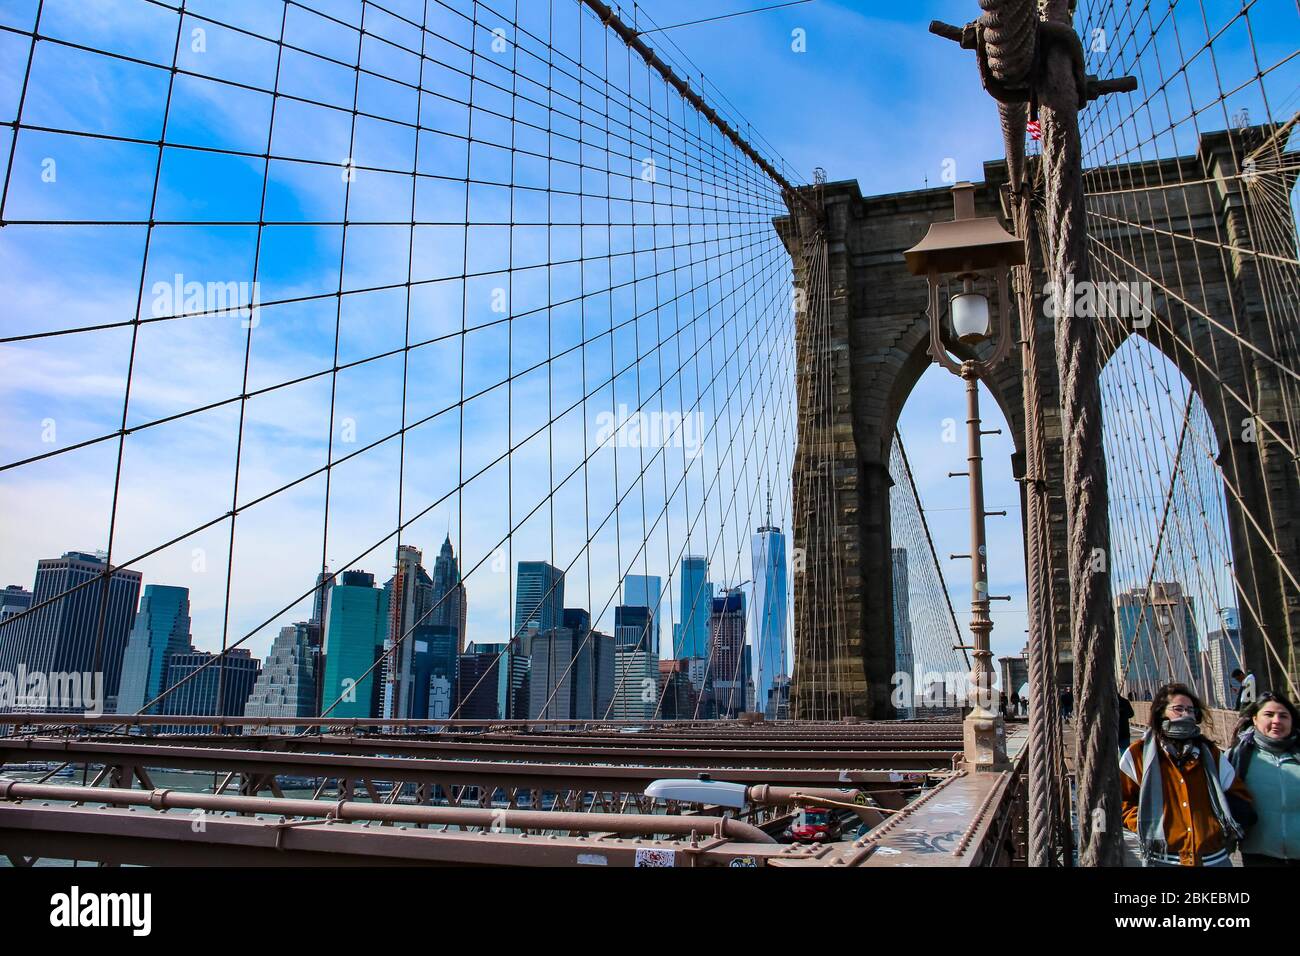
pixel 340 833
pixel 936 738
pixel 435 798
pixel 672 727
pixel 350 810
pixel 887 754
pixel 119 836
pixel 538 773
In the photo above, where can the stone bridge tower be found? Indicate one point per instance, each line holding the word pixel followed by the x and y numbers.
pixel 856 370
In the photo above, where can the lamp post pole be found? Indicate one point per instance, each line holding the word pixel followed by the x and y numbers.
pixel 973 249
pixel 981 624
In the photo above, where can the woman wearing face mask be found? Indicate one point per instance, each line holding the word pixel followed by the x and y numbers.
pixel 1181 796
pixel 1267 759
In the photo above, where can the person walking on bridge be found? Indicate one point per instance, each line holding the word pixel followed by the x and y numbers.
pixel 1180 795
pixel 1234 687
pixel 1268 749
pixel 1125 711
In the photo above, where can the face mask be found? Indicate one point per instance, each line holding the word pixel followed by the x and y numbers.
pixel 1184 728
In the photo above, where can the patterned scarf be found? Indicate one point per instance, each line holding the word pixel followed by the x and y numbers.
pixel 1151 800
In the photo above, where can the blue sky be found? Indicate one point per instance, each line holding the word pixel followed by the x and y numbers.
pixel 874 97
pixel 708 285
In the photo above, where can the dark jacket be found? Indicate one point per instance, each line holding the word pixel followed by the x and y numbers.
pixel 1124 732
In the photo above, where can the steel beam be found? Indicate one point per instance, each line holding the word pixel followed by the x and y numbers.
pixel 118 836
pixel 535 775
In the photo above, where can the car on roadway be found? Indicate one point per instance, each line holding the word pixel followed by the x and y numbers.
pixel 814 825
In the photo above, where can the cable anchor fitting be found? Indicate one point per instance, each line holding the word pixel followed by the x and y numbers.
pixel 1025 89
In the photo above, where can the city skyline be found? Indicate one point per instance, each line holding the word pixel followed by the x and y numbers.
pixel 160 631
pixel 481 395
pixel 156 651
pixel 307 675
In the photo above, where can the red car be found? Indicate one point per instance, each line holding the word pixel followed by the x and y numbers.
pixel 814 825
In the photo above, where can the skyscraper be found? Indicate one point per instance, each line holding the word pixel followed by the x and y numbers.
pixel 729 663
pixel 677 696
pixel 904 663
pixel 355 629
pixel 14 599
pixel 778 699
pixel 539 596
pixel 481 683
pixel 699 672
pixel 287 685
pixel 442 697
pixel 409 599
pixel 518 678
pixel 162 629
pixel 64 636
pixel 636 679
pixel 550 678
pixel 578 619
pixel 1224 654
pixel 584 670
pixel 747 668
pixel 1156 633
pixel 691 633
pixel 321 596
pixel 770 597
pixel 632 628
pixel 646 590
pixel 492 682
pixel 603 663
pixel 434 662
pixel 450 604
pixel 197 696
pixel 572 670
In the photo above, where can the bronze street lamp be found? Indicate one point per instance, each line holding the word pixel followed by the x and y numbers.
pixel 978 253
